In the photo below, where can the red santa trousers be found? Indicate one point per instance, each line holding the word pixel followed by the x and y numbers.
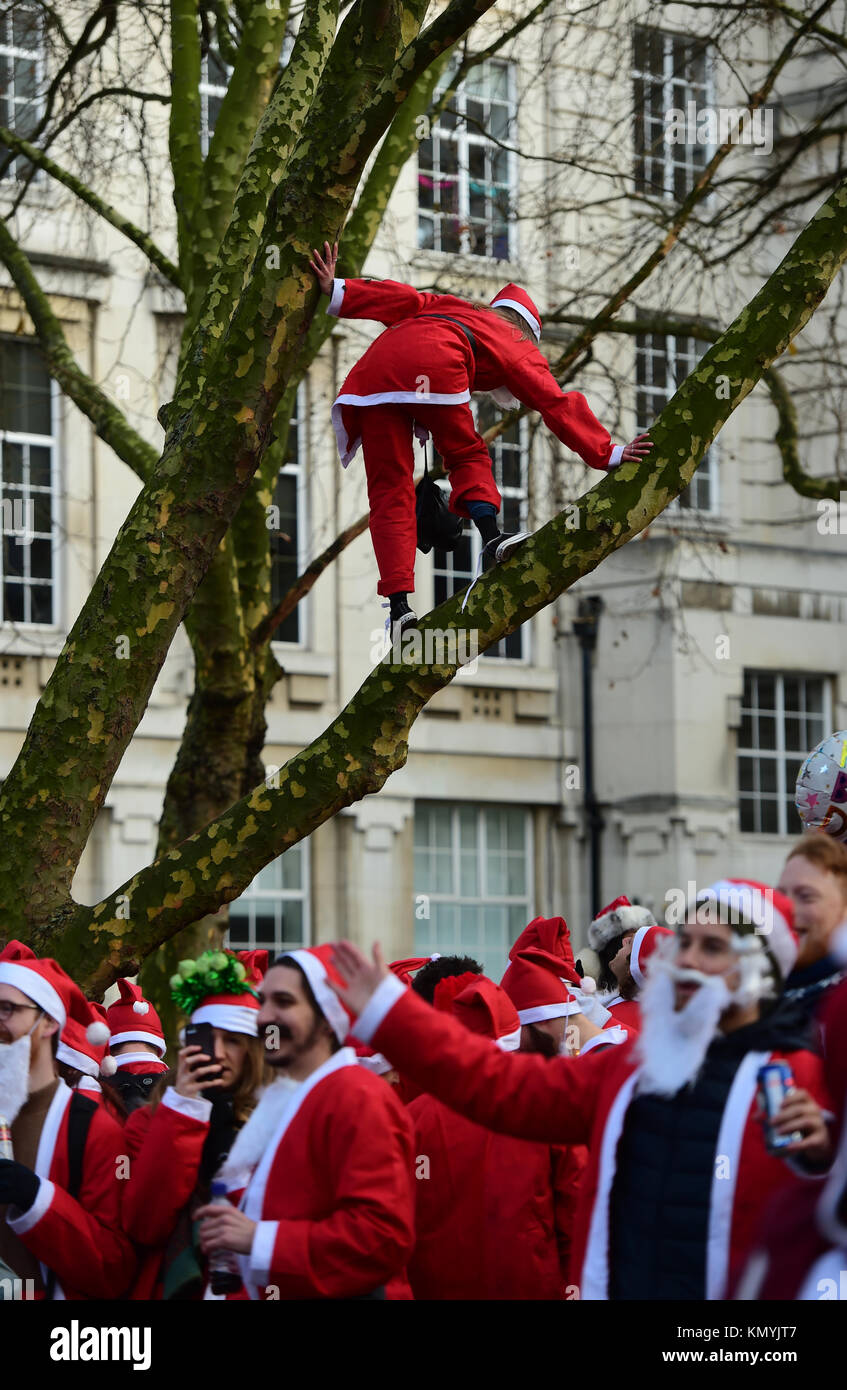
pixel 387 445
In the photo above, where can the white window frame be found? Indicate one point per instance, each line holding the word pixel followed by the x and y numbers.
pixel 709 466
pixel 780 753
pixel 301 475
pixel 463 136
pixel 667 82
pixel 460 900
pixel 209 89
pixel 522 493
pixel 8 50
pixel 52 443
pixel 280 895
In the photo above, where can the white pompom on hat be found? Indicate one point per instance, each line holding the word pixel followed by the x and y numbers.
pixel 97 1032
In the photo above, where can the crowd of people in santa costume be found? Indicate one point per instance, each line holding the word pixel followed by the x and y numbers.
pixel 356 1130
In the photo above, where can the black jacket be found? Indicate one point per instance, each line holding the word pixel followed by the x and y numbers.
pixel 659 1205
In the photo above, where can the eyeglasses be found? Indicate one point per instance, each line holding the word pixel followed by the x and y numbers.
pixel 7 1009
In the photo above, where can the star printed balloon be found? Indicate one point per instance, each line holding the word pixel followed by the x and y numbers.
pixel 821 792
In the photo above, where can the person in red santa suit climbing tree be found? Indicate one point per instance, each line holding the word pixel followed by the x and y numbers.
pixel 419 375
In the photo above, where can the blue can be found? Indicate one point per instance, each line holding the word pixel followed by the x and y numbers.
pixel 775 1080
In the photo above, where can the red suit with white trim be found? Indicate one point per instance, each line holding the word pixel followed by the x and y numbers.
pixel 420 374
pixel 333 1191
pixel 79 1239
pixel 584 1101
pixel 493 1214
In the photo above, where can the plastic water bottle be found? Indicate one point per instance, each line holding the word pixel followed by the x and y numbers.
pixel 224 1270
pixel 6 1150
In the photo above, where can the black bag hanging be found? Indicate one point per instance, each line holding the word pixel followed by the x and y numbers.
pixel 437 526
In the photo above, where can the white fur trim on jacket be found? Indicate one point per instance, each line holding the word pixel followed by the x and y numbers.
pixel 383 999
pixel 347 450
pixel 334 305
pixel 255 1275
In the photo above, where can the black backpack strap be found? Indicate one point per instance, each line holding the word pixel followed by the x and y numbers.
pixel 467 332
pixel 80 1115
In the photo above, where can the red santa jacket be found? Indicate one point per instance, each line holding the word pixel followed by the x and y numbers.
pixel 585 1101
pixel 493 1214
pixel 626 1013
pixel 79 1239
pixel 420 354
pixel 332 1195
pixel 166 1148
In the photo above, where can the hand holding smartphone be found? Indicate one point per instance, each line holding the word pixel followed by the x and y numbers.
pixel 198 1073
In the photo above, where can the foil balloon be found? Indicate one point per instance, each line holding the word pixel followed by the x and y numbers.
pixel 821 792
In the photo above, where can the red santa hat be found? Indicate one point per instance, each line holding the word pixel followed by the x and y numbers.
pixel 534 983
pixel 132 1018
pixel 612 921
pixel 42 981
pixel 447 989
pixel 550 934
pixel 644 943
pixel 85 1037
pixel 757 913
pixel 513 297
pixel 405 969
pixel 485 1008
pixel 316 964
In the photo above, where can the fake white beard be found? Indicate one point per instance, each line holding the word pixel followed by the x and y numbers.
pixel 14 1076
pixel 254 1137
pixel 671 1044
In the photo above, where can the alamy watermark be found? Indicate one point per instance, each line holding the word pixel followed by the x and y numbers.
pixel 432 646
pixel 717 125
pixel 17 519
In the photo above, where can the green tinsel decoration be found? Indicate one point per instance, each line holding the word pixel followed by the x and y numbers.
pixel 214 972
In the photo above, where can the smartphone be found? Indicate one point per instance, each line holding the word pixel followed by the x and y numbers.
pixel 201 1035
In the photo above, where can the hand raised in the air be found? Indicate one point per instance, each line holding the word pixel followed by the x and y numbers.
pixel 324 266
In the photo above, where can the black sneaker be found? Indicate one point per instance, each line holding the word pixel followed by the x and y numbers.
pixel 400 621
pixel 497 549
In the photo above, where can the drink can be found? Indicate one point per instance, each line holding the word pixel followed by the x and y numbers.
pixel 6 1150
pixel 775 1081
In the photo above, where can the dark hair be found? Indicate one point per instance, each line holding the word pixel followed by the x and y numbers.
pixel 441 969
pixel 606 954
pixel 541 1042
pixel 320 1016
pixel 112 1101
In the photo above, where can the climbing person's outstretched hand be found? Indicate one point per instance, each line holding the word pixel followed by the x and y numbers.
pixel 638 449
pixel 324 266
